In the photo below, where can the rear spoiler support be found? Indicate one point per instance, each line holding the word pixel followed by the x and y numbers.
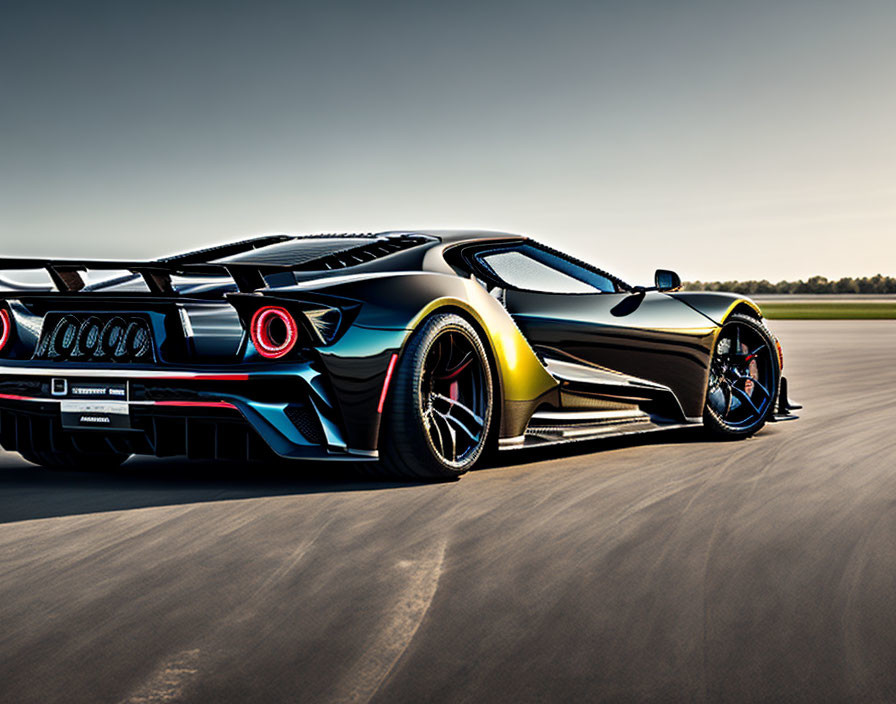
pixel 65 279
pixel 66 273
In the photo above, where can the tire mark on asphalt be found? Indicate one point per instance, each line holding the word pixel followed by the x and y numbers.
pixel 288 565
pixel 770 454
pixel 712 478
pixel 169 680
pixel 384 651
pixel 858 576
pixel 167 683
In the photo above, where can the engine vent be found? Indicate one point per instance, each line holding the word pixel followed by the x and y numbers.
pixel 95 337
pixel 367 252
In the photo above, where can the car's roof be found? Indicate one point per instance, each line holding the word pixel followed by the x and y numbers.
pixel 451 236
pixel 302 250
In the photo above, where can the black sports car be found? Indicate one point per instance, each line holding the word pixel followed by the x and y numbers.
pixel 418 349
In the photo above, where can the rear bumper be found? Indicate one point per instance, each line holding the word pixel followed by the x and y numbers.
pixel 235 413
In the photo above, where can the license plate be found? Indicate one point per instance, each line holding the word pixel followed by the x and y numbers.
pixel 94 405
pixel 103 415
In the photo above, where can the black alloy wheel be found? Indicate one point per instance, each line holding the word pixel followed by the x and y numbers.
pixel 454 397
pixel 439 409
pixel 744 377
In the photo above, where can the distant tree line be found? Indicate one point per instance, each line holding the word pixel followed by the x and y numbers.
pixel 815 284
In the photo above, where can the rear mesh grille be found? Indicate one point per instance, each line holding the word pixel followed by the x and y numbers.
pixel 95 337
pixel 307 423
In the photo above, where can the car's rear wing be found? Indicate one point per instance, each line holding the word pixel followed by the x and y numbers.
pixel 66 273
pixel 248 274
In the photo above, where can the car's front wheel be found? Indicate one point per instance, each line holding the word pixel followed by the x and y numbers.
pixel 439 411
pixel 743 378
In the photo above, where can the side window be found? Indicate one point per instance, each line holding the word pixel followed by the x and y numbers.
pixel 532 269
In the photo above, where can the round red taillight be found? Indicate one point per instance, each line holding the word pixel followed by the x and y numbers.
pixel 5 328
pixel 274 332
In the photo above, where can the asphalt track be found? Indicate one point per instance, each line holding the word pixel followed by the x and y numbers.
pixel 676 569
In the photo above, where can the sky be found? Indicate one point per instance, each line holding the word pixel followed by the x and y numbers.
pixel 724 140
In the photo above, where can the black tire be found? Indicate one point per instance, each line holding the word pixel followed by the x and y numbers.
pixel 75 461
pixel 423 427
pixel 744 379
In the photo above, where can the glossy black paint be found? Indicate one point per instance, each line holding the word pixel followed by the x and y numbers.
pixel 649 336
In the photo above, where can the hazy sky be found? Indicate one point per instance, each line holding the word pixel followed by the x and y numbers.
pixel 720 139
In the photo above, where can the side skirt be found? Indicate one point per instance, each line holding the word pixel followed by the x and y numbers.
pixel 558 427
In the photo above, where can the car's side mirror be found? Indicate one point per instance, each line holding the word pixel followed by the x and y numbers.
pixel 666 280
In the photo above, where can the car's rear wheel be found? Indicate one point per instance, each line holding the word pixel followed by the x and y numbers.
pixel 90 461
pixel 743 378
pixel 439 410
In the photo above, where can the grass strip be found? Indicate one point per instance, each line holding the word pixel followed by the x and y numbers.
pixel 830 310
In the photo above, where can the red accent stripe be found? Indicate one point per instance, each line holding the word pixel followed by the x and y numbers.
pixel 379 408
pixel 207 377
pixel 182 404
pixel 13 397
pixel 196 404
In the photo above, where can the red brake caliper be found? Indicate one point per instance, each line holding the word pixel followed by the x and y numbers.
pixel 753 369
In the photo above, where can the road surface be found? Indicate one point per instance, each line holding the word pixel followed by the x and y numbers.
pixel 678 569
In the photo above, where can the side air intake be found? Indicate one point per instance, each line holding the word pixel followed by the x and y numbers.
pixel 306 422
